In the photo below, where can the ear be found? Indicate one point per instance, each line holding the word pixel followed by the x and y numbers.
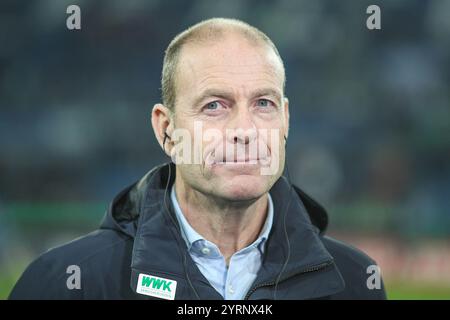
pixel 162 123
pixel 286 117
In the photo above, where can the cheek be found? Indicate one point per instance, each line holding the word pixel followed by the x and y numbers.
pixel 211 139
pixel 272 136
pixel 274 122
pixel 191 174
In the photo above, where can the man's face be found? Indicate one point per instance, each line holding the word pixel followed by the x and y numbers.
pixel 225 87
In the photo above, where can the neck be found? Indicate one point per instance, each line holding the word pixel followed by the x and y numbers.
pixel 231 225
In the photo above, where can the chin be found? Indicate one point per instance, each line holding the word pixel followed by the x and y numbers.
pixel 240 182
pixel 245 187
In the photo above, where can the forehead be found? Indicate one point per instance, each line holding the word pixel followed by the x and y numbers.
pixel 231 63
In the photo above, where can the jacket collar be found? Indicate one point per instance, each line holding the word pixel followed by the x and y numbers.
pixel 160 250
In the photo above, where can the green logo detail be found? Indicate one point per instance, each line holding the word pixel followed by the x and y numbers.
pixel 156 283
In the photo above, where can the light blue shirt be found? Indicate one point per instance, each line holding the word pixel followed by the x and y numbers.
pixel 234 281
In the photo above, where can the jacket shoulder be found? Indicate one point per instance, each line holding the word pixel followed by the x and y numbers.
pixel 78 269
pixel 357 269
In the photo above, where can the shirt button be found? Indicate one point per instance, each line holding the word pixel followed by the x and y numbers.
pixel 230 289
pixel 206 251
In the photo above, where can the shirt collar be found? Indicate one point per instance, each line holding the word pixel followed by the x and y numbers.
pixel 191 236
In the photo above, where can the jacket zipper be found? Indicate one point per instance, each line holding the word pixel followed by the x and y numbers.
pixel 315 268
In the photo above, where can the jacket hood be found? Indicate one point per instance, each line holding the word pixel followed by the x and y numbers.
pixel 124 210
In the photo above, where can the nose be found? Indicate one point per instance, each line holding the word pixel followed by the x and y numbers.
pixel 241 128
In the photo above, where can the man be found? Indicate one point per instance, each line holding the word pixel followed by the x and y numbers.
pixel 222 222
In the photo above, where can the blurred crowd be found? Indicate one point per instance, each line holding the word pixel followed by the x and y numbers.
pixel 370 109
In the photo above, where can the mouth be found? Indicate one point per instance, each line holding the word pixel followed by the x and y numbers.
pixel 237 159
pixel 229 163
pixel 241 161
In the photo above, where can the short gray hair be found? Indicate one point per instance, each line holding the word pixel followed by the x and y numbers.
pixel 203 31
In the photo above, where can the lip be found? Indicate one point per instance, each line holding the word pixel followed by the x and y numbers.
pixel 213 159
pixel 254 161
pixel 241 159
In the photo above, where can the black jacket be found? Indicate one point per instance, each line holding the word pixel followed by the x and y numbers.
pixel 138 236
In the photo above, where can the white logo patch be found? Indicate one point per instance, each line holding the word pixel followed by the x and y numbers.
pixel 156 287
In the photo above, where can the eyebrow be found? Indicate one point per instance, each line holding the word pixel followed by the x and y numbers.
pixel 220 93
pixel 213 93
pixel 267 92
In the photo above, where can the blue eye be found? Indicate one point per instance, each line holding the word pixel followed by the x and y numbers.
pixel 212 105
pixel 263 103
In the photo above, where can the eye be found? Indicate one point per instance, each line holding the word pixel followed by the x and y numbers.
pixel 214 105
pixel 264 103
pixel 214 108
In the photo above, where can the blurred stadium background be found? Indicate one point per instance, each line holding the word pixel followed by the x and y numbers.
pixel 370 114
